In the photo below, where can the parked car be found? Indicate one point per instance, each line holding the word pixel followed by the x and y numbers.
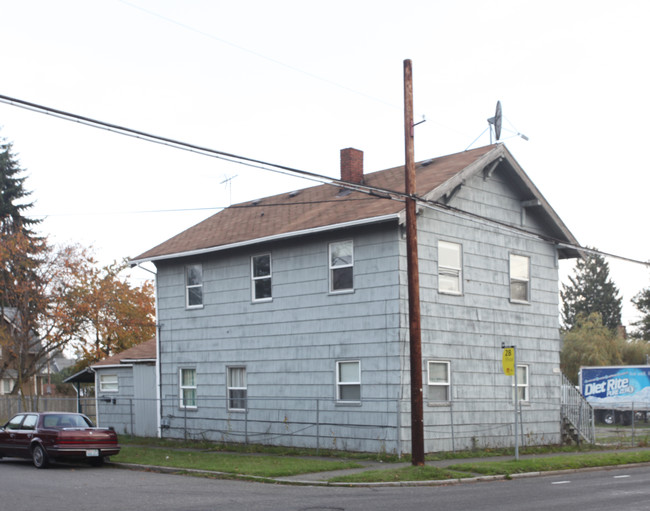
pixel 48 436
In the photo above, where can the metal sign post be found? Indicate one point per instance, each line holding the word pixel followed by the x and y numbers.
pixel 509 362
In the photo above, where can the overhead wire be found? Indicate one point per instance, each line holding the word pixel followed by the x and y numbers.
pixel 372 191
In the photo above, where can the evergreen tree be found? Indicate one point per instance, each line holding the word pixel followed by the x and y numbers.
pixel 16 235
pixel 642 303
pixel 13 193
pixel 591 290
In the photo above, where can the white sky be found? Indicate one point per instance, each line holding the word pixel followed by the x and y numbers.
pixel 293 82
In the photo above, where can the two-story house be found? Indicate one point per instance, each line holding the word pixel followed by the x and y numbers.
pixel 284 319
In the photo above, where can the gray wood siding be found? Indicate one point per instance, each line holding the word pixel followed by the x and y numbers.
pixel 468 330
pixel 290 345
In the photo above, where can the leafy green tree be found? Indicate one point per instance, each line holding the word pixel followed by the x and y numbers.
pixel 591 290
pixel 590 343
pixel 642 303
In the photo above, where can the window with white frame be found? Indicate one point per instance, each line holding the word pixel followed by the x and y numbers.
pixel 450 268
pixel 7 386
pixel 187 387
pixel 519 278
pixel 194 286
pixel 237 391
pixel 348 381
pixel 438 379
pixel 341 263
pixel 261 277
pixel 522 383
pixel 108 383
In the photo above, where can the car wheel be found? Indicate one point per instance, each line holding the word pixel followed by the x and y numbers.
pixel 609 418
pixel 39 456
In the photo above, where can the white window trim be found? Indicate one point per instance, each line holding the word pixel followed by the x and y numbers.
pixel 181 388
pixel 511 279
pixel 229 388
pixel 340 266
pixel 446 384
pixel 525 386
pixel 105 386
pixel 451 271
pixel 188 287
pixel 340 384
pixel 255 279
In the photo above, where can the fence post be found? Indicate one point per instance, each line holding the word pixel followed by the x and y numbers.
pixel 317 427
pixel 399 430
pixel 246 420
pixel 451 419
pixel 579 422
pixel 185 422
pixel 131 415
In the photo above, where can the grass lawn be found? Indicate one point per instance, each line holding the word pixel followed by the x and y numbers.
pixel 254 465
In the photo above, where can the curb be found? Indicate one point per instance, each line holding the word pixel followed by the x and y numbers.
pixel 295 482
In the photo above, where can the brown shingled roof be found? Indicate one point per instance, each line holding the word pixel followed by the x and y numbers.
pixel 311 208
pixel 142 351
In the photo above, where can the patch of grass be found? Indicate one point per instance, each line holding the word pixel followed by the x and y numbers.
pixel 545 464
pixel 274 450
pixel 411 473
pixel 262 466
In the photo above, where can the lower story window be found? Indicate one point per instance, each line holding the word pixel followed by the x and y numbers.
pixel 237 388
pixel 108 383
pixel 438 380
pixel 348 381
pixel 522 383
pixel 188 388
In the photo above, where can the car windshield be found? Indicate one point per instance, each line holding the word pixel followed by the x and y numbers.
pixel 65 421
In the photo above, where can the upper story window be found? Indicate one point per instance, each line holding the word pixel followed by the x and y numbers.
pixel 261 278
pixel 341 262
pixel 438 380
pixel 519 278
pixel 194 286
pixel 108 383
pixel 450 268
pixel 348 381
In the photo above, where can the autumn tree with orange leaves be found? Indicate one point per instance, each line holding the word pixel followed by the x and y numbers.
pixel 57 298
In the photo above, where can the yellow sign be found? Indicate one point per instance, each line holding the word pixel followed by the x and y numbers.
pixel 508 361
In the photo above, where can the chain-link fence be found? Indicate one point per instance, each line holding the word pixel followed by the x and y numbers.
pixel 370 425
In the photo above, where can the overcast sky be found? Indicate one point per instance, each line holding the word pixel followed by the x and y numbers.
pixel 293 82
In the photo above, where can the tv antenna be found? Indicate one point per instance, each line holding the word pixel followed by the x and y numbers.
pixel 227 182
pixel 494 123
pixel 495 126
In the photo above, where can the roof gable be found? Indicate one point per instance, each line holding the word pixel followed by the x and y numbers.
pixel 328 206
pixel 145 351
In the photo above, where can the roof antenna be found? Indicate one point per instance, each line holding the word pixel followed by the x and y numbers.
pixel 495 123
pixel 228 184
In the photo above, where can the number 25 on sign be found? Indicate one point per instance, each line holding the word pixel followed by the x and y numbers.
pixel 508 361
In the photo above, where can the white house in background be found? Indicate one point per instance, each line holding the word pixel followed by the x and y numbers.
pixel 283 320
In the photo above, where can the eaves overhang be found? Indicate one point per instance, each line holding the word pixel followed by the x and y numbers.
pixel 266 239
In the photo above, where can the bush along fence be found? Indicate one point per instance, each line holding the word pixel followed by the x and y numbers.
pixel 371 425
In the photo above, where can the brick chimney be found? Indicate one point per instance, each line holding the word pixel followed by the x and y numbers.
pixel 352 165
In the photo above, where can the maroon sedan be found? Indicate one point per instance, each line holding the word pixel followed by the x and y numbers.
pixel 46 436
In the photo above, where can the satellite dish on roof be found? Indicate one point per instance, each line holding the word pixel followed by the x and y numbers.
pixel 495 122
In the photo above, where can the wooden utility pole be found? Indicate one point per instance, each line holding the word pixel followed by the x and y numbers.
pixel 415 343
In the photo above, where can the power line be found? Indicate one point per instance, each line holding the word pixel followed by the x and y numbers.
pixel 243 160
